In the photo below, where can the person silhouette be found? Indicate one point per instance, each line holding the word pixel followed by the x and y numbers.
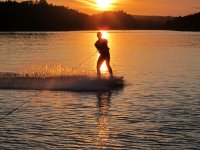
pixel 103 49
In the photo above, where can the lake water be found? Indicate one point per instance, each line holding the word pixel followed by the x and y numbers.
pixel 159 108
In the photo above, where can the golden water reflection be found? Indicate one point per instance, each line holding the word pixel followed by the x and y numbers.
pixel 103 103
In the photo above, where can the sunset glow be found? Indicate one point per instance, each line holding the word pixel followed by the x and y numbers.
pixel 144 7
pixel 104 34
pixel 103 4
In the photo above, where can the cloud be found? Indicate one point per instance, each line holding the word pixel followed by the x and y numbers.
pixel 86 2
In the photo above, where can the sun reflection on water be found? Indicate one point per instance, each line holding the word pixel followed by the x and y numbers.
pixel 104 34
pixel 104 68
pixel 103 119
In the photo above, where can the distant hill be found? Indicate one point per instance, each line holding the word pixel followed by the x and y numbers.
pixel 152 22
pixel 187 23
pixel 113 20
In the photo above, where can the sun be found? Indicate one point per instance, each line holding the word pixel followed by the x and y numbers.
pixel 103 4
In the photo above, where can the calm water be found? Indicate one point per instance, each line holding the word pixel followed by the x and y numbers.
pixel 158 109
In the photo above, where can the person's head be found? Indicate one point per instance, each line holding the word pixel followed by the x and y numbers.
pixel 99 35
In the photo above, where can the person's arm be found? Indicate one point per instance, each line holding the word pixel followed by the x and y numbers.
pixel 106 41
pixel 97 45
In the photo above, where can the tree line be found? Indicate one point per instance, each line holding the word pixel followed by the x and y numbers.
pixel 186 23
pixel 41 16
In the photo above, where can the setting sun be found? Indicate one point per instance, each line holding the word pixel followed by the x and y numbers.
pixel 103 4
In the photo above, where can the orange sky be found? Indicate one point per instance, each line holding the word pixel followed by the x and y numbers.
pixel 140 7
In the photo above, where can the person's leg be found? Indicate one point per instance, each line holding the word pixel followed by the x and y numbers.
pixel 99 63
pixel 109 67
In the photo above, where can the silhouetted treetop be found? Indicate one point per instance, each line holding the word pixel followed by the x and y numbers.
pixel 152 22
pixel 187 23
pixel 29 15
pixel 114 20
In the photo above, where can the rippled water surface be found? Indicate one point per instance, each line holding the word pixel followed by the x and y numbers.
pixel 158 109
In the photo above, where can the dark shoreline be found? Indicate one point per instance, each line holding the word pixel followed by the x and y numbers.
pixel 43 31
